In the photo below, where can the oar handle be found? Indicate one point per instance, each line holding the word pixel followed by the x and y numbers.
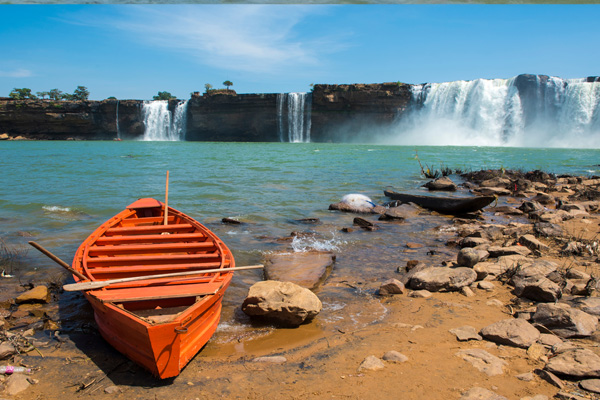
pixel 59 261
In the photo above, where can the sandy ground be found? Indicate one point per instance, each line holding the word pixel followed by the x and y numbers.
pixel 322 358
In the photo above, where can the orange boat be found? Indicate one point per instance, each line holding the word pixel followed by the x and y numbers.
pixel 158 322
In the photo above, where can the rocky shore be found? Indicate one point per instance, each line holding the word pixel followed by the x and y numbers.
pixel 504 306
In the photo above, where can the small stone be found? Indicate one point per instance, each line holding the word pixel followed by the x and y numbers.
pixel 467 257
pixel 537 352
pixel 112 389
pixel 591 385
pixel 394 356
pixel 413 245
pixel 486 285
pixel 16 384
pixel 390 287
pixel 6 350
pixel 550 378
pixel 371 363
pixel 549 340
pixel 483 361
pixel 420 294
pixel 467 291
pixel 526 377
pixel 38 294
pixel 479 393
pixel 465 333
pixel 495 303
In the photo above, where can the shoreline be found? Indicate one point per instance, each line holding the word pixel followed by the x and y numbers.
pixel 323 360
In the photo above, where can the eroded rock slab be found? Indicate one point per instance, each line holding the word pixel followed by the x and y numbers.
pixel 565 321
pixel 578 363
pixel 306 269
pixel 483 361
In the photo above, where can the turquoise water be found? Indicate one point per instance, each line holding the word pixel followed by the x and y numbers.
pixel 63 190
pixel 58 192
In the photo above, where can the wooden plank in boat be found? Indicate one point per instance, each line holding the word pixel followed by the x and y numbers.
pixel 155 293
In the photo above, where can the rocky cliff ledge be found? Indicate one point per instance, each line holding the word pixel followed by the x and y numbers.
pixel 338 114
pixel 84 120
pixel 346 112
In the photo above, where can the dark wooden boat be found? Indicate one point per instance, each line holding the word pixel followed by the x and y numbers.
pixel 159 323
pixel 444 205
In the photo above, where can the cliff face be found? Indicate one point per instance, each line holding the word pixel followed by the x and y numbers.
pixel 233 118
pixel 343 113
pixel 338 114
pixel 89 120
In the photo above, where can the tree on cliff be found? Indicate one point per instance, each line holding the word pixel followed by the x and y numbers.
pixel 42 95
pixel 81 93
pixel 227 84
pixel 208 87
pixel 164 96
pixel 55 94
pixel 20 94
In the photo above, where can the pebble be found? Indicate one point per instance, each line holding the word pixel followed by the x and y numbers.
pixel 271 359
pixel 371 363
pixel 394 356
pixel 420 294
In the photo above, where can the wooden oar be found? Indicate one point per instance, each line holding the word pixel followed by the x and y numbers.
pixel 167 199
pixel 72 287
pixel 59 261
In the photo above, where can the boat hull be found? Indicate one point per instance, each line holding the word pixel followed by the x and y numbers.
pixel 161 324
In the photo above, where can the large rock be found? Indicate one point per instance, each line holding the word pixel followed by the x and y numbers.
pixel 512 332
pixel 577 363
pixel 565 321
pixel 281 302
pixel 497 251
pixel 532 243
pixel 306 269
pixel 435 279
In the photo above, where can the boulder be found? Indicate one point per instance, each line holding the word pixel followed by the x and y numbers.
pixel 282 302
pixel 471 241
pixel 565 321
pixel 306 269
pixel 544 198
pixel 576 363
pixel 530 206
pixel 436 279
pixel 512 332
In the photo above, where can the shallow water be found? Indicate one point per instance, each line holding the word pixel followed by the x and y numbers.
pixel 59 192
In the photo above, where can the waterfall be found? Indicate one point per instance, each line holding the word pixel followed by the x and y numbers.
pixel 160 125
pixel 117 121
pixel 527 110
pixel 293 117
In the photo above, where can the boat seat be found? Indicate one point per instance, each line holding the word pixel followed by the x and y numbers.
pixel 149 229
pixel 160 259
pixel 121 295
pixel 110 250
pixel 148 221
pixel 134 270
pixel 176 237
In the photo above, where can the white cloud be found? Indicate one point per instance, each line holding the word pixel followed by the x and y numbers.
pixel 16 73
pixel 251 38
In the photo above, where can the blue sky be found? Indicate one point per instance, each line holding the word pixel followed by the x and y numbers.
pixel 134 51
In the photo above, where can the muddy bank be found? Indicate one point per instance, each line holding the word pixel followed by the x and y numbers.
pixel 534 249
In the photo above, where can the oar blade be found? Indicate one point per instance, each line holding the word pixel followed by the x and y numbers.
pixel 75 287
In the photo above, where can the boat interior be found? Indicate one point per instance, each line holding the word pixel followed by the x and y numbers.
pixel 141 244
